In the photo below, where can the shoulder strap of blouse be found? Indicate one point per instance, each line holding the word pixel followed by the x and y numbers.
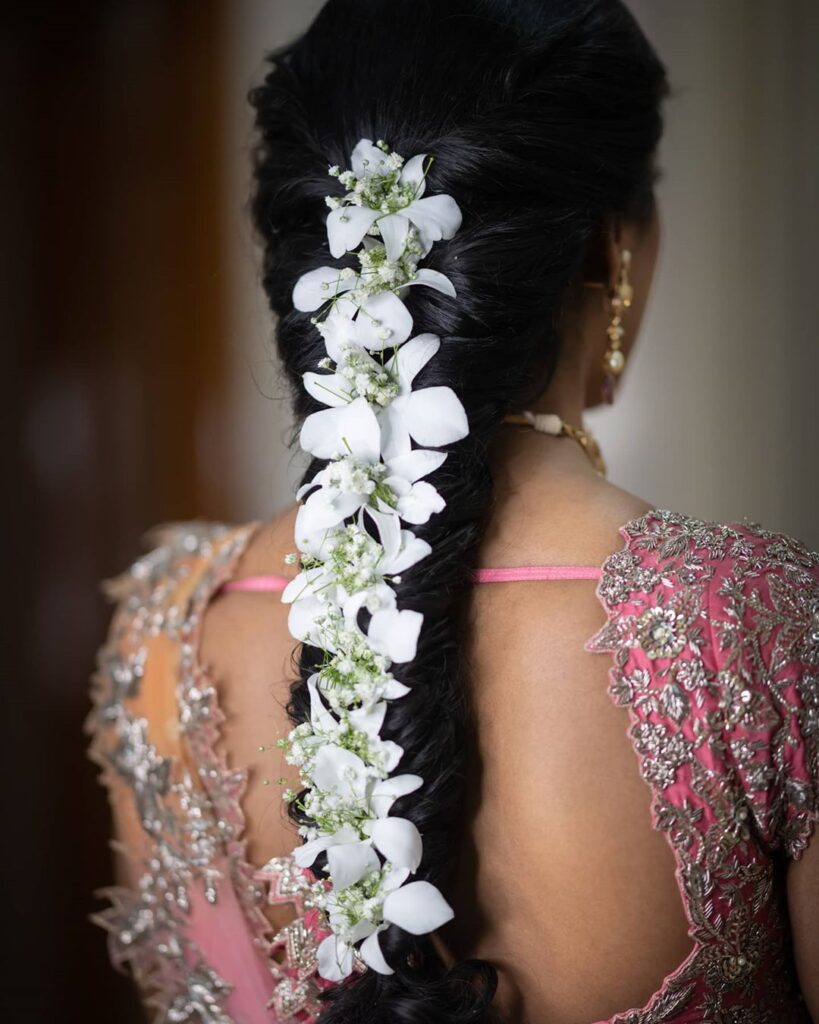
pixel 512 574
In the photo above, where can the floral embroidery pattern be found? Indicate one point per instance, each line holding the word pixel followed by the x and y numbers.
pixel 713 635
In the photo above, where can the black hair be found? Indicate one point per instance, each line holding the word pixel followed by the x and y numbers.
pixel 543 117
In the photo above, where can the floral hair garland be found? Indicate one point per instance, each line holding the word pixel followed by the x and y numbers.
pixel 353 547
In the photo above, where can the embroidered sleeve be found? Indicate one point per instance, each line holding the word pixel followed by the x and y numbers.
pixel 764 611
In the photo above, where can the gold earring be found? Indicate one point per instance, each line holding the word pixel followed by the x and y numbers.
pixel 614 359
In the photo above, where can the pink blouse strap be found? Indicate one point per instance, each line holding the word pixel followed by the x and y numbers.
pixel 262 584
pixel 537 572
pixel 255 584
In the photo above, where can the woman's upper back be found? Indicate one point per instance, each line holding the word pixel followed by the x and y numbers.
pixel 711 635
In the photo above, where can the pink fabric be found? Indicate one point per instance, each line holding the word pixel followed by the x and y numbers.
pixel 521 573
pixel 220 932
pixel 256 584
pixel 537 572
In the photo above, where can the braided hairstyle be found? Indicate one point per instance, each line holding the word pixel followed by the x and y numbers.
pixel 543 117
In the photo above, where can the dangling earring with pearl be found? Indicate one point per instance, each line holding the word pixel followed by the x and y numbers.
pixel 614 359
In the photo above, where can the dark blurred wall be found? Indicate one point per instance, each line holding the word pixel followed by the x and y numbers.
pixel 113 312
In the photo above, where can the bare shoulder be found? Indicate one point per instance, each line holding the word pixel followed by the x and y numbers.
pixel 572 522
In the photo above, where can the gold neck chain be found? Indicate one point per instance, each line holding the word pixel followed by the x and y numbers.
pixel 551 423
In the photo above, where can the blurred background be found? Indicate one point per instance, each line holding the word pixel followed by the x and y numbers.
pixel 139 384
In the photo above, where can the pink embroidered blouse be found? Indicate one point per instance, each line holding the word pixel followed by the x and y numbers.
pixel 713 634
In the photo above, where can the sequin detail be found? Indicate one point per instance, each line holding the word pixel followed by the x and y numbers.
pixel 712 631
pixel 189 803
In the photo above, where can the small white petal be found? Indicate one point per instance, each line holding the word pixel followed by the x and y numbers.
pixel 367 159
pixel 301 620
pixel 334 958
pixel 303 585
pixel 306 854
pixel 322 510
pixel 395 633
pixel 412 173
pixel 321 718
pixel 383 594
pixel 309 293
pixel 394 878
pixel 436 217
pixel 306 488
pixel 389 530
pixel 350 862
pixel 385 793
pixel 391 754
pixel 435 416
pixel 434 279
pixel 412 550
pixel 418 908
pixel 422 502
pixel 395 437
pixel 338 329
pixel 394 690
pixel 394 228
pixel 346 226
pixel 369 720
pixel 412 357
pixel 399 841
pixel 328 388
pixel 339 769
pixel 416 464
pixel 351 429
pixel 370 950
pixel 380 312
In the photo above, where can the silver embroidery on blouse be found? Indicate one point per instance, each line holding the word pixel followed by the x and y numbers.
pixel 191 825
pixel 707 711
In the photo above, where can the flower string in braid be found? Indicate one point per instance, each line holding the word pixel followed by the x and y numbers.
pixel 353 546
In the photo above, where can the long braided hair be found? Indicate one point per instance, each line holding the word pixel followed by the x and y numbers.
pixel 543 117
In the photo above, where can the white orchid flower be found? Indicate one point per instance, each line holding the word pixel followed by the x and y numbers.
pixel 391 632
pixel 434 218
pixel 384 754
pixel 351 435
pixel 415 499
pixel 417 907
pixel 380 798
pixel 379 318
pixel 336 953
pixel 431 416
pixel 356 570
pixel 347 324
pixel 347 785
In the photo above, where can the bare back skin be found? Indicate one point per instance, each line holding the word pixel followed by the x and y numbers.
pixel 560 881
